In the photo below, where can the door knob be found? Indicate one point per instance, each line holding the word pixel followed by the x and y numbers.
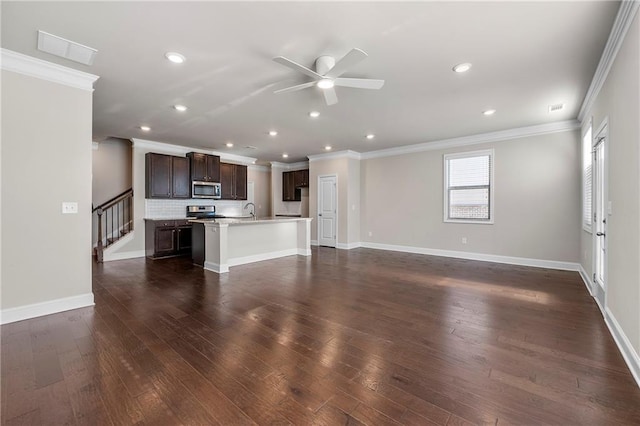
pixel 600 234
pixel 319 214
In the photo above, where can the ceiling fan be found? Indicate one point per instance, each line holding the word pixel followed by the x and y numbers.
pixel 327 75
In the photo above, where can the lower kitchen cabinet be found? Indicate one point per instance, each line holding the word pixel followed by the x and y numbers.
pixel 164 238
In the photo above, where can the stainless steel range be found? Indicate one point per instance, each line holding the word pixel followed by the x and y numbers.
pixel 203 212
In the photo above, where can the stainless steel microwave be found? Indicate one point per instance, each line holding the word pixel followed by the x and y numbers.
pixel 201 189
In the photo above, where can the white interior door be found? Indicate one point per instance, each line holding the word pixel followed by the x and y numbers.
pixel 600 217
pixel 327 210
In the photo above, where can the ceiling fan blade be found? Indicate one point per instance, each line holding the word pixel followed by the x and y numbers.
pixel 295 66
pixel 347 61
pixel 294 88
pixel 360 83
pixel 330 96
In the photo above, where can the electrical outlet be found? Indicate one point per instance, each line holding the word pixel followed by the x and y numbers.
pixel 370 234
pixel 464 240
pixel 69 207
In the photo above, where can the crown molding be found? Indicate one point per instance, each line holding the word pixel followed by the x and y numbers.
pixel 182 150
pixel 290 166
pixel 333 155
pixel 259 168
pixel 33 67
pixel 502 135
pixel 624 18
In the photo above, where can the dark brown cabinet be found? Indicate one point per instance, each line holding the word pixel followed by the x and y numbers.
pixel 301 178
pixel 289 187
pixel 166 176
pixel 164 238
pixel 233 179
pixel 205 168
pixel 291 184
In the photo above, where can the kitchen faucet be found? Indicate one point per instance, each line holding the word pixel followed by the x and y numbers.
pixel 253 214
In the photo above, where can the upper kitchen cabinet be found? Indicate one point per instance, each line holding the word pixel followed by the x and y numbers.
pixel 301 178
pixel 204 167
pixel 233 178
pixel 166 176
pixel 292 182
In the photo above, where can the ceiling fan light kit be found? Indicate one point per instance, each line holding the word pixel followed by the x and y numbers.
pixel 327 73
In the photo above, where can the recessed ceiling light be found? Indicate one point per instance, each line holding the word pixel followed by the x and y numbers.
pixel 462 67
pixel 371 136
pixel 314 114
pixel 273 133
pixel 175 57
pixel 180 108
pixel 229 145
pixel 325 83
pixel 489 112
pixel 285 155
pixel 145 128
pixel 327 148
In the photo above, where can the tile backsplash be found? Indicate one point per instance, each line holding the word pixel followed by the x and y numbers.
pixel 175 209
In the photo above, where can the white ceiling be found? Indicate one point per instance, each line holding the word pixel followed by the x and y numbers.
pixel 525 56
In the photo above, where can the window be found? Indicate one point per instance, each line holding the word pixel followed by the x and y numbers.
pixel 586 180
pixel 468 187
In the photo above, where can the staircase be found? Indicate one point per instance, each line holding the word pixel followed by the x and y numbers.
pixel 115 220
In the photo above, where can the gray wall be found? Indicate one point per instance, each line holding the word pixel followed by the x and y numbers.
pixel 537 201
pixel 46 159
pixel 619 100
pixel 111 169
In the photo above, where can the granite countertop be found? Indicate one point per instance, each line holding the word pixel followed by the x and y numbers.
pixel 247 220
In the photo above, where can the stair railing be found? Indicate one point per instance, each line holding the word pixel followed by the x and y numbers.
pixel 115 220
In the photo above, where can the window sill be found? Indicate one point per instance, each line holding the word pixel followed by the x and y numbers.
pixel 477 222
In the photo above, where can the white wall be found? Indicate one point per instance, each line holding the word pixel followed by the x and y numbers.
pixel 537 201
pixel 619 100
pixel 261 178
pixel 46 159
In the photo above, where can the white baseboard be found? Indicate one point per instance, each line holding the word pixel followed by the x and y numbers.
pixel 304 252
pixel 45 308
pixel 214 267
pixel 585 278
pixel 348 246
pixel 314 242
pixel 223 268
pixel 124 255
pixel 263 256
pixel 522 261
pixel 624 345
pixel 112 253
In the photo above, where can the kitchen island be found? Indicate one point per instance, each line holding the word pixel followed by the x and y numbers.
pixel 218 244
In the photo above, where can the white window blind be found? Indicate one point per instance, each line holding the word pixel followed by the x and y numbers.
pixel 468 187
pixel 586 180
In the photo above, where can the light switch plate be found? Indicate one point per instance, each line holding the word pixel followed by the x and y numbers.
pixel 69 207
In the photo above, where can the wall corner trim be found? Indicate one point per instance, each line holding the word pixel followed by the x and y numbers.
pixel 45 308
pixel 624 18
pixel 624 345
pixel 34 67
pixel 167 148
pixel 338 154
pixel 499 136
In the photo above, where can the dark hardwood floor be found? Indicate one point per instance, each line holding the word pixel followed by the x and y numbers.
pixel 343 337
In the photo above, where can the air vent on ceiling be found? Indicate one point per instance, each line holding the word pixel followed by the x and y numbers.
pixel 556 107
pixel 64 48
pixel 251 147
